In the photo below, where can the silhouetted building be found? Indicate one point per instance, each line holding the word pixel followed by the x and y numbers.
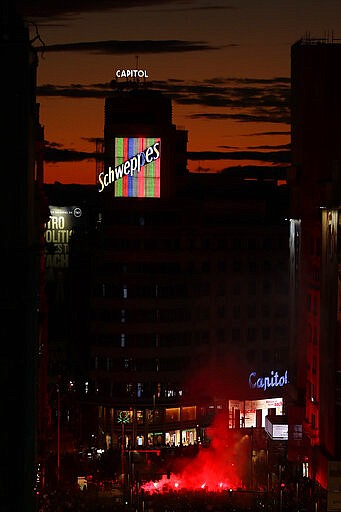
pixel 315 254
pixel 23 311
pixel 179 284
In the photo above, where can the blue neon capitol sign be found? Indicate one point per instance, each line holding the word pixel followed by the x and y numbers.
pixel 271 381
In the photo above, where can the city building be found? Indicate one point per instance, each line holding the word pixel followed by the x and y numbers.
pixel 179 287
pixel 314 257
pixel 23 356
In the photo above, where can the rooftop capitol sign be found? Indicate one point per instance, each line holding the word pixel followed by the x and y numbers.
pixel 131 73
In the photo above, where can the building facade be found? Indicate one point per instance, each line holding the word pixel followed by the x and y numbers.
pixel 179 286
pixel 23 309
pixel 315 200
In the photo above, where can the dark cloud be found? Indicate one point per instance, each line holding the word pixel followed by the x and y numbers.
pixel 268 156
pixel 73 91
pixel 272 147
pixel 251 117
pixel 55 153
pixel 261 134
pixel 195 8
pixel 115 47
pixel 44 8
pixel 256 116
pixel 67 8
pixel 243 81
pixel 264 173
pixel 230 99
pixel 257 172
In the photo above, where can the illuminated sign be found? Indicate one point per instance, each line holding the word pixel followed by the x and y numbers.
pixel 124 417
pixel 58 232
pixel 137 168
pixel 244 412
pixel 272 381
pixel 131 73
pixel 277 427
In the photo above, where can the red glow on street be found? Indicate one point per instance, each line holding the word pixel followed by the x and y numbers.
pixel 220 467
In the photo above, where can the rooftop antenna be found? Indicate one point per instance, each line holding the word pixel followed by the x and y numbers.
pixel 137 58
pixel 137 66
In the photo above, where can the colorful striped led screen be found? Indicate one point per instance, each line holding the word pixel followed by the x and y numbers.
pixel 141 176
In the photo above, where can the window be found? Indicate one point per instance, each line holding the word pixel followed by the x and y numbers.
pixel 236 289
pixel 220 335
pixel 221 266
pixel 125 291
pixel 252 286
pixel 267 243
pixel 236 311
pixel 266 333
pixel 267 266
pixel 205 266
pixel 251 311
pixel 221 312
pixel 266 287
pixel 252 266
pixel 313 420
pixel 251 334
pixel 250 355
pixel 266 310
pixel 236 266
pixel 266 356
pixel 235 334
pixel 221 289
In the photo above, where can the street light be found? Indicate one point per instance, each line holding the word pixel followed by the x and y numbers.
pixel 123 418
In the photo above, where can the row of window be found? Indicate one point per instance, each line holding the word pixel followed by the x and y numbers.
pixel 147 340
pixel 202 243
pixel 136 364
pixel 252 334
pixel 179 339
pixel 144 315
pixel 152 391
pixel 237 265
pixel 183 314
pixel 111 415
pixel 194 289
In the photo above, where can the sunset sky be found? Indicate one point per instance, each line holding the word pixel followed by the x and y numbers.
pixel 225 63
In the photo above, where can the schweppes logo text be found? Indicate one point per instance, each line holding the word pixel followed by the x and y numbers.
pixel 129 167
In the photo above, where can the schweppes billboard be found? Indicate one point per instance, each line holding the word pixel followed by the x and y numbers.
pixel 136 170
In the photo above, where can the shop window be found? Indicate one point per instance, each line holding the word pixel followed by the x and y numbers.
pixel 188 413
pixel 173 414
